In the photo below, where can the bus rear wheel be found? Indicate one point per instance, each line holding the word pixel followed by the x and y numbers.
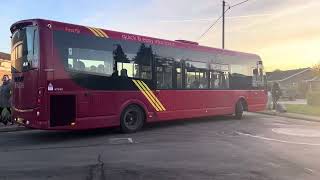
pixel 132 119
pixel 238 110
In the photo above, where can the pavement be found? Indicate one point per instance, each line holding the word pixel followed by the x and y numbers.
pixel 258 147
pixel 297 101
pixel 292 115
pixel 9 128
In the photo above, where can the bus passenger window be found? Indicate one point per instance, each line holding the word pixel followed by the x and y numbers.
pixel 164 73
pixel 196 75
pixel 219 76
pixel 90 61
pixel 179 78
pixel 215 80
pixel 135 64
pixel 142 62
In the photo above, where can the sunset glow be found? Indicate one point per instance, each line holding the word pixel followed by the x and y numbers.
pixel 284 33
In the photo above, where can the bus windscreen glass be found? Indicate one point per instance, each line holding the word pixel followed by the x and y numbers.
pixel 25 49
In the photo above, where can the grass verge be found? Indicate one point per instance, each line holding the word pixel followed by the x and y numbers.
pixel 303 109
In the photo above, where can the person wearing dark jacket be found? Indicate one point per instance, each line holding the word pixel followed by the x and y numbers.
pixel 5 97
pixel 276 94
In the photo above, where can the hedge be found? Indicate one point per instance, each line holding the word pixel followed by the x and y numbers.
pixel 313 98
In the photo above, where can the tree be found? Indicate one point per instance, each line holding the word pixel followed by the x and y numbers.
pixel 316 69
pixel 144 55
pixel 143 58
pixel 120 56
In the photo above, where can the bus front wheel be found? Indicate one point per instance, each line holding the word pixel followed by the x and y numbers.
pixel 238 110
pixel 132 119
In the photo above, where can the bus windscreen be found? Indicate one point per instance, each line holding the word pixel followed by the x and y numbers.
pixel 25 49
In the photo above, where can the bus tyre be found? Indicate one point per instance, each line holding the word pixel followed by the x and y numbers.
pixel 132 119
pixel 238 110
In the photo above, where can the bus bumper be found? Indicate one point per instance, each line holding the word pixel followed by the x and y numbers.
pixel 28 118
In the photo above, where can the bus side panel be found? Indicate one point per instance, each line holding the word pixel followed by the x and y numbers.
pixel 196 103
pixel 257 100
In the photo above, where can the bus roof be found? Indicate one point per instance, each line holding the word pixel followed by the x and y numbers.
pixel 80 29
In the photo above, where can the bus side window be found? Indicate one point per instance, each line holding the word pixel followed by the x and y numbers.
pixel 215 80
pixel 164 73
pixel 196 75
pixel 136 64
pixel 178 77
pixel 90 61
pixel 219 76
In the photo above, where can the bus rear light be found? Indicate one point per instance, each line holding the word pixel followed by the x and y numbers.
pixel 38 113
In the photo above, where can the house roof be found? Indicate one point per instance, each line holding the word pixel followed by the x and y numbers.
pixel 4 56
pixel 316 78
pixel 283 75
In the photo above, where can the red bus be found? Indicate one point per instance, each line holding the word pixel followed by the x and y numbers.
pixel 71 77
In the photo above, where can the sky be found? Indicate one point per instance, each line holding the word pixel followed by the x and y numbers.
pixel 284 33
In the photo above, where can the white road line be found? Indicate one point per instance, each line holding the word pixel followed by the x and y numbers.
pixel 309 170
pixel 277 140
pixel 302 132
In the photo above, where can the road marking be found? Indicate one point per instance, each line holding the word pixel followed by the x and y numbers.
pixel 305 132
pixel 277 140
pixel 309 170
pixel 121 141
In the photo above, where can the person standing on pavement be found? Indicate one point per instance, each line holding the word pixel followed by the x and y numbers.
pixel 276 94
pixel 5 97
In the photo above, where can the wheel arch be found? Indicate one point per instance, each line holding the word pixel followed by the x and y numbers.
pixel 136 102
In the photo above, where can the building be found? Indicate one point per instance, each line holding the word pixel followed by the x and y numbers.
pixel 294 83
pixel 314 84
pixel 5 64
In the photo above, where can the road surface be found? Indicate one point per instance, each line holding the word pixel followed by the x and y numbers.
pixel 257 147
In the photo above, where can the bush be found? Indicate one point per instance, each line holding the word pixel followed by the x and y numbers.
pixel 313 98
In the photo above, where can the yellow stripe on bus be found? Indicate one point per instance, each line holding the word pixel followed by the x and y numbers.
pixel 154 96
pixel 102 32
pixel 150 95
pixel 144 93
pixel 94 32
pixel 99 32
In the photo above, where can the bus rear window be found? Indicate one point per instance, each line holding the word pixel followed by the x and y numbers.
pixel 25 49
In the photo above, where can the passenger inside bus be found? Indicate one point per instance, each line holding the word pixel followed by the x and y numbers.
pixel 195 84
pixel 79 65
pixel 93 68
pixel 100 68
pixel 124 73
pixel 115 72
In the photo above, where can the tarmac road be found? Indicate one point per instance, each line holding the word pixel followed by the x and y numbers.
pixel 257 147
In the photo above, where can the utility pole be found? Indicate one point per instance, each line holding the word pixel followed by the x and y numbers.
pixel 223 10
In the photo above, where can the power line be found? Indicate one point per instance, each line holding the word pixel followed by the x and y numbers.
pixel 239 3
pixel 217 20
